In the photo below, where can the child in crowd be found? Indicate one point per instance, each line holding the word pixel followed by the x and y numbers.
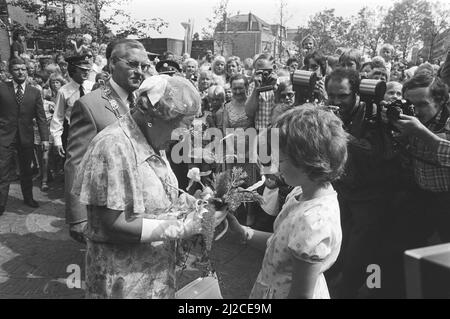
pixel 228 93
pixel 366 69
pixel 387 52
pixel 351 59
pixel 216 99
pixel 43 156
pixel 219 69
pixel 379 74
pixel 393 91
pixel 307 233
pixel 205 80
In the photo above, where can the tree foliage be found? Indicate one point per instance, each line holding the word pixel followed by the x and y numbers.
pixel 404 22
pixel 434 25
pixel 329 30
pixel 219 22
pixel 364 32
pixel 98 19
pixel 220 13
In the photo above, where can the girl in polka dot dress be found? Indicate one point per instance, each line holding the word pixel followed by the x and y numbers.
pixel 307 232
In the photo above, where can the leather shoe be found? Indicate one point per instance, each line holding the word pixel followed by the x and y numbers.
pixel 76 231
pixel 44 187
pixel 2 210
pixel 31 202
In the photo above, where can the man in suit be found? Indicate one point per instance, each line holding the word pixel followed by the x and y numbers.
pixel 96 110
pixel 20 103
pixel 78 68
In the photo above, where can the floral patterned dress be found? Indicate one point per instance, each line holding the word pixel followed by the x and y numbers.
pixel 121 171
pixel 306 230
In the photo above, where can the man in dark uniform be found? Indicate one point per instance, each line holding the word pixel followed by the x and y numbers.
pixel 20 103
pixel 79 85
pixel 168 67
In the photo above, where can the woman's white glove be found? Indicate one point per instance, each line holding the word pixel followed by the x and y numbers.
pixel 158 230
pixel 193 223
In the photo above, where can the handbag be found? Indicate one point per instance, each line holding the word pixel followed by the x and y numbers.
pixel 201 288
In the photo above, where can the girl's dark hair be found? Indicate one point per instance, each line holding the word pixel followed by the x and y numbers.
pixel 351 55
pixel 366 64
pixel 319 58
pixel 18 33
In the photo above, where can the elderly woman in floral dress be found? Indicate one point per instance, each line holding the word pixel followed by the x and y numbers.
pixel 135 213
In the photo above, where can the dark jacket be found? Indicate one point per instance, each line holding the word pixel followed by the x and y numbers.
pixel 90 115
pixel 373 167
pixel 16 119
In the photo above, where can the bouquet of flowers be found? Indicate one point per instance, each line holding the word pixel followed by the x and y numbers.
pixel 224 195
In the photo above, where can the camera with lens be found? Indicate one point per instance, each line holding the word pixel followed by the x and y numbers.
pixel 397 107
pixel 268 80
pixel 371 93
pixel 304 83
pixel 334 109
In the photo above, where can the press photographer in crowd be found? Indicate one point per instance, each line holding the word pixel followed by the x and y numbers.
pixel 428 145
pixel 262 99
pixel 370 182
pixel 309 83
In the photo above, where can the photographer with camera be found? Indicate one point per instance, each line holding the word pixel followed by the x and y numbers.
pixel 428 136
pixel 262 100
pixel 369 186
pixel 309 83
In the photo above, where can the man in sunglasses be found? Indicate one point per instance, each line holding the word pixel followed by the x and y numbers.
pixel 78 68
pixel 93 112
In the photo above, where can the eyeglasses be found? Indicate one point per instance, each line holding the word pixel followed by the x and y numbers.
pixel 289 95
pixel 135 65
pixel 313 67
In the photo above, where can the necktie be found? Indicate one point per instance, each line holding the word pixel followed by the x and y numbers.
pixel 19 94
pixel 81 91
pixel 131 101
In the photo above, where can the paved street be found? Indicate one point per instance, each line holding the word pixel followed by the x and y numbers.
pixel 35 251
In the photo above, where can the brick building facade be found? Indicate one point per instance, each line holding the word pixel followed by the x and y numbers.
pixel 246 35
